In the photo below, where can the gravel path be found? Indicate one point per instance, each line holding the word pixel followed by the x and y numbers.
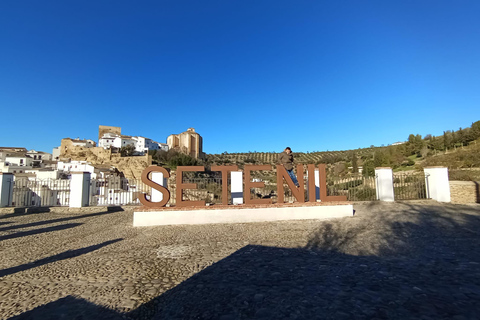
pixel 390 261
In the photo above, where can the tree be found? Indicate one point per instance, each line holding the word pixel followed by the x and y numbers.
pixel 447 139
pixel 354 162
pixel 475 130
pixel 368 168
pixel 127 151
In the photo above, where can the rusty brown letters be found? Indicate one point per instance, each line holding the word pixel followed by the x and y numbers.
pixel 281 176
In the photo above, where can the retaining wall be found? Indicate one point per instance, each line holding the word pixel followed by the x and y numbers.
pixel 465 191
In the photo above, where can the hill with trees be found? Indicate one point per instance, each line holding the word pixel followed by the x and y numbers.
pixel 454 149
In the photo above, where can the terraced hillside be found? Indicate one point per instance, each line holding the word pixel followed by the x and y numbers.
pixel 300 157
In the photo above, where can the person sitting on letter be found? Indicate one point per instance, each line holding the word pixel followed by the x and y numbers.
pixel 286 159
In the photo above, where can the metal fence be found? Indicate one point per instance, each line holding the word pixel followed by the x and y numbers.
pixel 354 187
pixel 208 190
pixel 41 193
pixel 116 190
pixel 409 186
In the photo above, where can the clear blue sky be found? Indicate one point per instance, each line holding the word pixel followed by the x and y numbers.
pixel 248 75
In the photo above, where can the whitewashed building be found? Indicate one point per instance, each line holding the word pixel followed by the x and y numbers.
pixel 162 146
pixel 39 157
pixel 110 140
pixel 56 153
pixel 43 174
pixel 18 159
pixel 82 166
pixel 83 143
pixel 7 167
pixel 141 144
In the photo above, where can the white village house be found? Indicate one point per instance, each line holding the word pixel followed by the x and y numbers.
pixel 141 144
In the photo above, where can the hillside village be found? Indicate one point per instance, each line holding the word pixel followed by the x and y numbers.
pixel 113 154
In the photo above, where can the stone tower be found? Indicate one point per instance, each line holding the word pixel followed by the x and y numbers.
pixel 188 142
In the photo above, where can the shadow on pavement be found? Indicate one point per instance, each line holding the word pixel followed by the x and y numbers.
pixel 38 231
pixel 61 256
pixel 422 264
pixel 69 308
pixel 39 223
pixel 18 212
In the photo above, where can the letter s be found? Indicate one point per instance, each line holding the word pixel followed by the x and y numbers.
pixel 146 180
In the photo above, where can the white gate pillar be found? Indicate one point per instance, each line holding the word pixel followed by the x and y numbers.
pixel 6 189
pixel 237 187
pixel 80 189
pixel 437 184
pixel 384 184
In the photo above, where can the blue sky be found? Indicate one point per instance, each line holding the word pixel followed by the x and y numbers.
pixel 247 75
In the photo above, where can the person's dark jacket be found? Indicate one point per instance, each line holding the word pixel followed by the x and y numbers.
pixel 286 160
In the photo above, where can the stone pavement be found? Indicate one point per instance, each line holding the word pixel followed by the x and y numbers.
pixel 390 261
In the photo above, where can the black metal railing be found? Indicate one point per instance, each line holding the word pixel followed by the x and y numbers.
pixel 354 187
pixel 41 193
pixel 410 186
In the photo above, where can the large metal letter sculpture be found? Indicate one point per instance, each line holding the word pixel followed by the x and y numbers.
pixel 312 195
pixel 282 173
pixel 181 186
pixel 323 186
pixel 224 170
pixel 249 184
pixel 146 180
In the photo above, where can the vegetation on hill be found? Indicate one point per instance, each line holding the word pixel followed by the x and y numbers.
pixel 172 158
pixel 454 149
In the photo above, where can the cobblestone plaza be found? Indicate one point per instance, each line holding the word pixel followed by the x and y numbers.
pixel 417 259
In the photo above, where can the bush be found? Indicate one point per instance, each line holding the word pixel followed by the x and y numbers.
pixel 464 175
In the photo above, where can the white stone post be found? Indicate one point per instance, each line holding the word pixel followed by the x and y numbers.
pixel 80 189
pixel 158 178
pixel 236 187
pixel 6 189
pixel 384 184
pixel 317 184
pixel 437 184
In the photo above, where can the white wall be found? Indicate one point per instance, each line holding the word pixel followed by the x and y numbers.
pixel 163 146
pixel 77 166
pixel 43 174
pixel 36 155
pixel 56 153
pixel 19 161
pixel 12 168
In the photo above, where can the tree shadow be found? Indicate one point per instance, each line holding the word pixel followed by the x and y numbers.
pixel 39 223
pixel 424 263
pixel 61 256
pixel 38 231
